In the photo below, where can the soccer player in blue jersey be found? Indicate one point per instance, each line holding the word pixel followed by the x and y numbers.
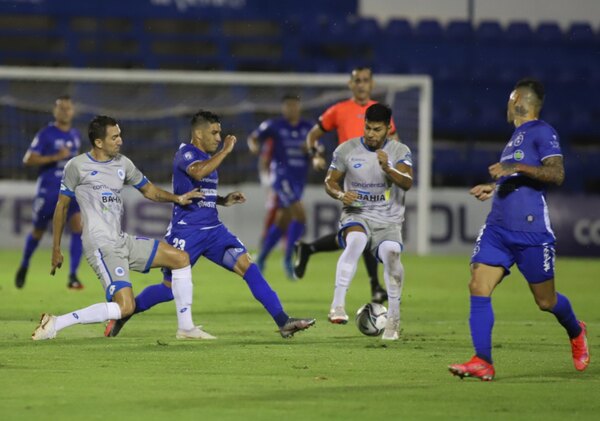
pixel 196 228
pixel 50 150
pixel 518 230
pixel 289 169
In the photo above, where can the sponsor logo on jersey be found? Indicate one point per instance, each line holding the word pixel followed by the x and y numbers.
pixel 75 315
pixel 519 155
pixel 119 271
pixel 188 156
pixel 519 139
pixel 93 173
pixel 357 165
pixel 121 173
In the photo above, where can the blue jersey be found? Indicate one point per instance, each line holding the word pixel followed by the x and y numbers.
pixel 289 159
pixel 49 141
pixel 520 202
pixel 202 212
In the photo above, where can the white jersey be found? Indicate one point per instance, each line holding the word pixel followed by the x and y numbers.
pixel 97 187
pixel 379 199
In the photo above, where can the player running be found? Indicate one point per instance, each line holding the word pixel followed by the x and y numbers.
pixel 289 169
pixel 348 119
pixel 197 229
pixel 50 150
pixel 376 172
pixel 97 179
pixel 518 230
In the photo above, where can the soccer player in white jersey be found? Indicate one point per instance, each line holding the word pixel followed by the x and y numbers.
pixel 376 173
pixel 96 179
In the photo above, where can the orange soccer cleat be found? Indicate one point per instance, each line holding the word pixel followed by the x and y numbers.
pixel 580 350
pixel 475 367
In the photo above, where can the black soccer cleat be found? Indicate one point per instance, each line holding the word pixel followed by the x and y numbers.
pixel 20 277
pixel 379 295
pixel 74 282
pixel 295 325
pixel 302 253
pixel 114 327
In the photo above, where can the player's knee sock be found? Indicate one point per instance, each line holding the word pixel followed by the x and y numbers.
pixel 565 316
pixel 481 322
pixel 393 274
pixel 294 232
pixel 346 266
pixel 325 243
pixel 265 295
pixel 75 252
pixel 371 266
pixel 181 284
pixel 273 236
pixel 151 296
pixel 96 313
pixel 30 246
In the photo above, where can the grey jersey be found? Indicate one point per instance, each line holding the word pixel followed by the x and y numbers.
pixel 97 187
pixel 379 199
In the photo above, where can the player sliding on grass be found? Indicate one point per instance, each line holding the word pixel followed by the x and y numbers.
pixel 376 172
pixel 196 227
pixel 518 230
pixel 96 179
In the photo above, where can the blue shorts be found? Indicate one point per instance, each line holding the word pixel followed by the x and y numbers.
pixel 287 192
pixel 533 252
pixel 217 244
pixel 43 210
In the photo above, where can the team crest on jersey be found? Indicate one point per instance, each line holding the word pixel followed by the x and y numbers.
pixel 119 271
pixel 519 139
pixel 519 155
pixel 188 156
pixel 121 173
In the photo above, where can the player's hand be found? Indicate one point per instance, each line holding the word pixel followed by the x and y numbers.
pixel 383 159
pixel 483 191
pixel 234 197
pixel 349 197
pixel 187 198
pixel 502 169
pixel 63 153
pixel 57 261
pixel 229 143
pixel 319 163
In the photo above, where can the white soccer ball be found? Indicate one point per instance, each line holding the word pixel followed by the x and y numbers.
pixel 370 319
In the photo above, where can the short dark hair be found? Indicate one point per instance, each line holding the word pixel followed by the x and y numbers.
pixel 290 96
pixel 535 85
pixel 203 117
pixel 97 127
pixel 380 113
pixel 360 69
pixel 63 97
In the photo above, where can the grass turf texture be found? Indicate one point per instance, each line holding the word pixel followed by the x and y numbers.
pixel 327 372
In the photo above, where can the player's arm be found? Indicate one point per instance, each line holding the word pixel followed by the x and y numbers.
pixel 401 174
pixel 483 192
pixel 156 194
pixel 58 225
pixel 253 143
pixel 200 169
pixel 34 159
pixel 314 149
pixel 231 199
pixel 552 170
pixel 333 189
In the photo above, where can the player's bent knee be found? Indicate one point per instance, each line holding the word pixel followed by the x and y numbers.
pixel 545 304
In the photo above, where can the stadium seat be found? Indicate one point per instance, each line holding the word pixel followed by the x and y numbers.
pixel 548 33
pixel 398 29
pixel 429 30
pixel 489 32
pixel 459 31
pixel 580 33
pixel 367 29
pixel 519 32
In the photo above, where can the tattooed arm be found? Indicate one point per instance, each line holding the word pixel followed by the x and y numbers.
pixel 552 170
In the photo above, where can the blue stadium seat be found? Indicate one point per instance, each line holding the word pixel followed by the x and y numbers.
pixel 429 30
pixel 548 33
pixel 519 32
pixel 459 31
pixel 398 29
pixel 580 33
pixel 367 29
pixel 489 32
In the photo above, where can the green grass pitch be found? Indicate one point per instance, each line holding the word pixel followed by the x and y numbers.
pixel 328 372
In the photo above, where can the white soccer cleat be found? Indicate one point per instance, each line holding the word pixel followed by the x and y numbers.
pixel 390 333
pixel 338 316
pixel 194 333
pixel 46 329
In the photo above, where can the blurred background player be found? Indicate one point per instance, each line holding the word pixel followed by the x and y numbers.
pixel 376 172
pixel 50 150
pixel 348 119
pixel 289 169
pixel 198 230
pixel 517 230
pixel 97 179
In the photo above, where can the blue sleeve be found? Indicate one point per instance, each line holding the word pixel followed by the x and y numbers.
pixel 264 130
pixel 38 144
pixel 183 160
pixel 547 143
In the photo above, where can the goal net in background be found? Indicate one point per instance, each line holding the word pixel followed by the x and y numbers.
pixel 154 108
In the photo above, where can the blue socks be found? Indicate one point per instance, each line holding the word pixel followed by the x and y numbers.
pixel 481 322
pixel 151 296
pixel 30 246
pixel 294 232
pixel 75 252
pixel 271 239
pixel 263 293
pixel 565 316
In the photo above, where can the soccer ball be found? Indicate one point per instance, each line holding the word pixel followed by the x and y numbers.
pixel 370 319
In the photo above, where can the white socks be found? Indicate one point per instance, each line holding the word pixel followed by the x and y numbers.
pixel 96 313
pixel 346 266
pixel 393 274
pixel 181 284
